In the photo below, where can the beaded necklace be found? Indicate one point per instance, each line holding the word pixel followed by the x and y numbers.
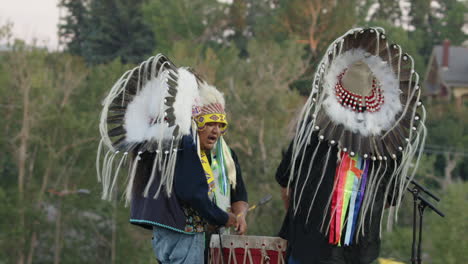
pixel 356 102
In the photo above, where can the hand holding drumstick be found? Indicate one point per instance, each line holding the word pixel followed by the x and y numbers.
pixel 241 209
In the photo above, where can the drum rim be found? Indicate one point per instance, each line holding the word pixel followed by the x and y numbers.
pixel 258 242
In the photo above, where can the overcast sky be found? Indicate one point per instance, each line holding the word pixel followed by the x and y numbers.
pixel 35 19
pixel 32 19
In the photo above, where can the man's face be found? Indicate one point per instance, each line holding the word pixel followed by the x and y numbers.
pixel 210 135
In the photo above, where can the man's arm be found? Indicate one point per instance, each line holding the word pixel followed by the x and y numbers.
pixel 191 187
pixel 284 169
pixel 282 175
pixel 285 197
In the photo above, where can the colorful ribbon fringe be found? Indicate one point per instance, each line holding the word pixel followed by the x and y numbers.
pixel 350 184
pixel 219 168
pixel 216 173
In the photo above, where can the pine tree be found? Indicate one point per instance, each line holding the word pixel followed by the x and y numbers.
pixel 103 30
pixel 73 26
pixel 117 30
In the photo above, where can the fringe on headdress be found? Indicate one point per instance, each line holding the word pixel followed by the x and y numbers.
pixel 149 109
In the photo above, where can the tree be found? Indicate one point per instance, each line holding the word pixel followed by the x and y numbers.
pixel 443 239
pixel 102 30
pixel 22 71
pixel 446 144
pixel 450 20
pixel 445 243
pixel 118 31
pixel 434 21
pixel 73 27
pixel 41 87
pixel 316 23
pixel 388 11
pixel 249 20
pixel 197 21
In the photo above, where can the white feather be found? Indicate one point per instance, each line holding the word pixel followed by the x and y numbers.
pixel 146 106
pixel 210 95
pixel 149 105
pixel 187 96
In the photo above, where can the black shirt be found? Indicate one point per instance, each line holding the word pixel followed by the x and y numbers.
pixel 307 243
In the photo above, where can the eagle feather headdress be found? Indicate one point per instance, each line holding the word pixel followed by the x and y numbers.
pixel 150 108
pixel 365 99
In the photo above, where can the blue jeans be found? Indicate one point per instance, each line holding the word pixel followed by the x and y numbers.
pixel 178 248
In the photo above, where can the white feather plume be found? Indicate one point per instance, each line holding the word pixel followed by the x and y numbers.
pixel 147 106
pixel 210 95
pixel 187 96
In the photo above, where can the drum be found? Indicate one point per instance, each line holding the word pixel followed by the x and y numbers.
pixel 247 250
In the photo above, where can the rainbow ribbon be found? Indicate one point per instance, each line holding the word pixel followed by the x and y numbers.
pixel 350 181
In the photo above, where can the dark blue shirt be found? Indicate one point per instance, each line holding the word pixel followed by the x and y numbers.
pixel 190 189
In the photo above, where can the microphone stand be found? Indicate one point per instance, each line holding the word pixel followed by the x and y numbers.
pixel 419 205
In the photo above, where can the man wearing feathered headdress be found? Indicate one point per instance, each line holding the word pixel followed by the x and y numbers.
pixel 183 175
pixel 357 145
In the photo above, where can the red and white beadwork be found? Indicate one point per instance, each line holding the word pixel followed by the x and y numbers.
pixel 356 102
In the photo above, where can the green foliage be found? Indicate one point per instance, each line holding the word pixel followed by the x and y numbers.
pixel 397 244
pixel 450 24
pixel 446 143
pixel 9 229
pixel 448 127
pixel 434 24
pixel 101 31
pixel 130 39
pixel 63 102
pixel 389 11
pixel 314 25
pixel 6 33
pixel 74 27
pixel 208 22
pixel 443 238
pixel 183 20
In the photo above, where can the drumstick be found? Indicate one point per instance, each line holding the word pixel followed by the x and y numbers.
pixel 262 201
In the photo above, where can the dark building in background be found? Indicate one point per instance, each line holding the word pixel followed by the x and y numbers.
pixel 447 74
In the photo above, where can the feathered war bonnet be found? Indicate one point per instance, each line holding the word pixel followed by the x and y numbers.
pixel 149 109
pixel 365 100
pixel 211 108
